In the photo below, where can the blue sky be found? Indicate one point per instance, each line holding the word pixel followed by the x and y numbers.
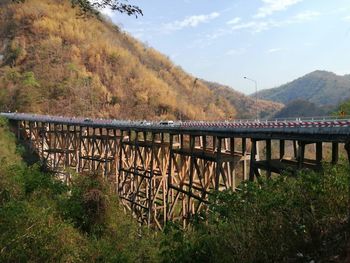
pixel 271 41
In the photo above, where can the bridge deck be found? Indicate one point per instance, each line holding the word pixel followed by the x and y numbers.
pixel 322 129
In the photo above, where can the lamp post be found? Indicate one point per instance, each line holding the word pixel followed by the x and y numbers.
pixel 256 95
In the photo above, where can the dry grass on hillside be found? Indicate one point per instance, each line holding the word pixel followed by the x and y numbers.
pixel 55 62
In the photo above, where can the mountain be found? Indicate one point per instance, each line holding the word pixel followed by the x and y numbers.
pixel 322 88
pixel 245 105
pixel 300 108
pixel 54 61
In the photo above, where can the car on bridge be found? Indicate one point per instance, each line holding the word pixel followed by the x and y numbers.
pixel 88 120
pixel 147 123
pixel 166 123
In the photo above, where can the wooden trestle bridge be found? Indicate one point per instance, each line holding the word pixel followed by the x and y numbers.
pixel 166 171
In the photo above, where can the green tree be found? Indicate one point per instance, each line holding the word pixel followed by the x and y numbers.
pixel 343 109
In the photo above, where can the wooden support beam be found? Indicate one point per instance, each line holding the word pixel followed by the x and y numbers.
pixel 18 130
pixel 319 153
pixel 150 185
pixel 192 160
pixel 232 166
pixel 296 149
pixel 335 153
pixel 268 157
pixel 347 149
pixel 218 163
pixel 42 133
pixel 252 160
pixel 232 145
pixel 92 153
pixel 120 159
pixel 169 178
pixel 66 145
pixel 301 154
pixel 282 149
pixel 55 146
pixel 31 136
pixel 244 153
pixel 204 138
pixel 79 153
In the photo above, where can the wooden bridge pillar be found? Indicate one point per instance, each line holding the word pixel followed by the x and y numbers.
pixel 218 163
pixel 268 158
pixel 244 154
pixel 231 166
pixel 347 149
pixel 42 141
pixel 301 154
pixel 254 171
pixel 142 178
pixel 19 129
pixel 295 149
pixel 282 149
pixel 335 153
pixel 319 154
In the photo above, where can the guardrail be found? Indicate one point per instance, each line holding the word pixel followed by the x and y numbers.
pixel 319 121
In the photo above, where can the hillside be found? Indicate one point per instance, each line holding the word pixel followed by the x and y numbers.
pixel 53 61
pixel 244 105
pixel 319 87
pixel 300 108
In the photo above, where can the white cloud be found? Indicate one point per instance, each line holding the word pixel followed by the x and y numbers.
pixel 254 26
pixel 347 18
pixel 307 15
pixel 219 33
pixel 234 21
pixel 257 26
pixel 272 6
pixel 235 52
pixel 274 50
pixel 191 21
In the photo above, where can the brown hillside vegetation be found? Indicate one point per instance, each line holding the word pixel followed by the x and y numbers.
pixel 53 61
pixel 246 107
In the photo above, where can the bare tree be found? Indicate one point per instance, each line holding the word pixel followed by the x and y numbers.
pixel 89 7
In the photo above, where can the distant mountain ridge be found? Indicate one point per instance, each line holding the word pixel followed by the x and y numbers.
pixel 244 105
pixel 322 88
pixel 300 108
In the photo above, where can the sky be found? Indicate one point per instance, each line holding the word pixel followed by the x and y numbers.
pixel 270 41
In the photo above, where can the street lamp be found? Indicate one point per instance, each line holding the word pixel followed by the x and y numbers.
pixel 256 95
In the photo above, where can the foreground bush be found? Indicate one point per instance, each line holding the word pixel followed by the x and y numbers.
pixel 279 220
pixel 93 208
pixel 43 220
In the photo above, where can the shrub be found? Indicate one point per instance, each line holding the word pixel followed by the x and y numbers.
pixel 278 220
pixel 32 233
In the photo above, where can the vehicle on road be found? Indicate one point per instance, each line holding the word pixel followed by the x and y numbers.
pixel 166 123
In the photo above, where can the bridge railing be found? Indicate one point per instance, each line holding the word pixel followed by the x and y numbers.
pixel 304 122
